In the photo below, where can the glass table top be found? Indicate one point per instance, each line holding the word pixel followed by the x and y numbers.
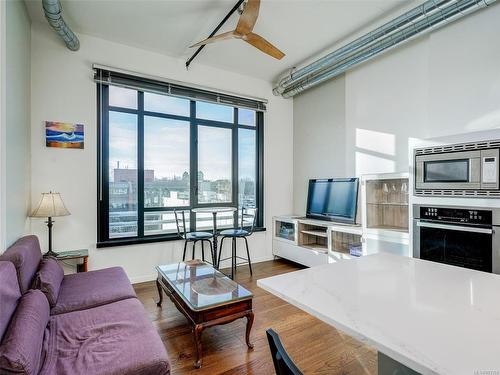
pixel 213 209
pixel 201 286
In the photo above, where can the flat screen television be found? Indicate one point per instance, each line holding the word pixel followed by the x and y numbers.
pixel 334 199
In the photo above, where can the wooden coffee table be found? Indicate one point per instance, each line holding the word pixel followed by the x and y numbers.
pixel 205 296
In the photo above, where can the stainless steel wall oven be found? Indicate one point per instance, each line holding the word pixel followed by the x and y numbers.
pixel 465 237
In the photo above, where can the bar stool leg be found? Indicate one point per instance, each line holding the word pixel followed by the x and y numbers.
pixel 194 248
pixel 220 251
pixel 234 257
pixel 212 253
pixel 248 256
pixel 202 251
pixel 184 253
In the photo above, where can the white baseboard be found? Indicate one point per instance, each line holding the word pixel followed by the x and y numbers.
pixel 152 276
pixel 143 279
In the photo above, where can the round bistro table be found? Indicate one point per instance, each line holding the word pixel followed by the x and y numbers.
pixel 214 211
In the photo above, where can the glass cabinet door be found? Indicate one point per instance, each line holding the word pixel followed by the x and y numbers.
pixel 285 230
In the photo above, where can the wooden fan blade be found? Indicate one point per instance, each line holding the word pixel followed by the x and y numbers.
pixel 216 38
pixel 259 42
pixel 249 17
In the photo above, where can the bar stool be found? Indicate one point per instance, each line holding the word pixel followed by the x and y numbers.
pixel 194 237
pixel 250 215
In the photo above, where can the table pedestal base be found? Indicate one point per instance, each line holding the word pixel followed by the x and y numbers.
pixel 389 366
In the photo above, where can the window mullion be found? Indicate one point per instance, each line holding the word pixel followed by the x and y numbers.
pixel 259 201
pixel 140 165
pixel 235 165
pixel 193 157
pixel 103 162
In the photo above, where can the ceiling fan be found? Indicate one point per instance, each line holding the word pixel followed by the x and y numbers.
pixel 244 30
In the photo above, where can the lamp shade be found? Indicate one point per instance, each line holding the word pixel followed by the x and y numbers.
pixel 51 205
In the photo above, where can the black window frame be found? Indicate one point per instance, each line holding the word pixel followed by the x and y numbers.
pixel 103 110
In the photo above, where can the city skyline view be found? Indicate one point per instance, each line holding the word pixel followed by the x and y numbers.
pixel 167 160
pixel 172 137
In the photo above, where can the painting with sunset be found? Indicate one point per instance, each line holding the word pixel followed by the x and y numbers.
pixel 63 135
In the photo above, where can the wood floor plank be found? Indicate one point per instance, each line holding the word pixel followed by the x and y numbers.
pixel 316 347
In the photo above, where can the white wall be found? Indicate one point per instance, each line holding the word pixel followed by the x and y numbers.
pixel 444 83
pixel 63 90
pixel 16 123
pixel 318 139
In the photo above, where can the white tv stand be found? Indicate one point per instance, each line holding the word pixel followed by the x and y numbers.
pixel 313 242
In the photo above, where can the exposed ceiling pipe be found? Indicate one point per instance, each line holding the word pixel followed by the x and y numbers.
pixel 53 13
pixel 424 18
pixel 362 41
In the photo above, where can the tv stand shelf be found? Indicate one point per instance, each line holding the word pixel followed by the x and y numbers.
pixel 313 242
pixel 318 233
pixel 383 210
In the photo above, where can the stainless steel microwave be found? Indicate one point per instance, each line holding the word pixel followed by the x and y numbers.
pixel 466 170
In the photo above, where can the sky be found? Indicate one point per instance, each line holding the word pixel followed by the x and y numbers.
pixel 166 141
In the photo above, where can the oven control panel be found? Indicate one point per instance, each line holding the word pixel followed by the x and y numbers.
pixel 457 215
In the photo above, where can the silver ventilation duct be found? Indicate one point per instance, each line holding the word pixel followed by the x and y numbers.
pixel 427 17
pixel 53 13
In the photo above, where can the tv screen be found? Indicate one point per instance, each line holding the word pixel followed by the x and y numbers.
pixel 333 199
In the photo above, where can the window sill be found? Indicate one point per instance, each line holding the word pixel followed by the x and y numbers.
pixel 148 239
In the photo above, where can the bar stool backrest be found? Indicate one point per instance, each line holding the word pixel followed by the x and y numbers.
pixel 248 215
pixel 180 221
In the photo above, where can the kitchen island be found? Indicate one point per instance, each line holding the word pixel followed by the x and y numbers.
pixel 422 317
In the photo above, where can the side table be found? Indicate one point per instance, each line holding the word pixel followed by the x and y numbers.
pixel 75 254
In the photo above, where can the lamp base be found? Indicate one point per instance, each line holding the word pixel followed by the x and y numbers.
pixel 50 254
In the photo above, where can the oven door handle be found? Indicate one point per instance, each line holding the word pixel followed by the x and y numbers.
pixel 454 227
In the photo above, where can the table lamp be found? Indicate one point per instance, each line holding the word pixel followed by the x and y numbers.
pixel 51 205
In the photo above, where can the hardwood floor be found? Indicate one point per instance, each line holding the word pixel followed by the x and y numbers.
pixel 316 347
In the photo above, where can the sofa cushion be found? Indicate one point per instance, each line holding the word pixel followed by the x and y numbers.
pixel 85 290
pixel 48 279
pixel 9 295
pixel 25 253
pixel 21 348
pixel 116 338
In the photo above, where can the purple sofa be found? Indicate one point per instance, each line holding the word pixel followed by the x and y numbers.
pixel 96 324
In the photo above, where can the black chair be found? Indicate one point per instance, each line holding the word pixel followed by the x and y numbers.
pixel 283 364
pixel 194 237
pixel 249 216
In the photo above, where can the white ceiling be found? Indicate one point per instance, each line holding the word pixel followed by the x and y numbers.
pixel 300 28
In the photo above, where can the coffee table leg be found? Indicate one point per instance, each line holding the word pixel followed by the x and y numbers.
pixel 249 327
pixel 197 330
pixel 160 293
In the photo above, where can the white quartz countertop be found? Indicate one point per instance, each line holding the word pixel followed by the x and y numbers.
pixel 431 317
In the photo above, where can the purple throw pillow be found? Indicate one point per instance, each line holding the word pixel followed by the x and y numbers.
pixel 26 255
pixel 21 348
pixel 48 279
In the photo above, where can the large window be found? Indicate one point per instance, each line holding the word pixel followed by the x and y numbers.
pixel 159 153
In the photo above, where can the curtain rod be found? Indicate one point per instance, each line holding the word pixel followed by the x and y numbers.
pixel 179 83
